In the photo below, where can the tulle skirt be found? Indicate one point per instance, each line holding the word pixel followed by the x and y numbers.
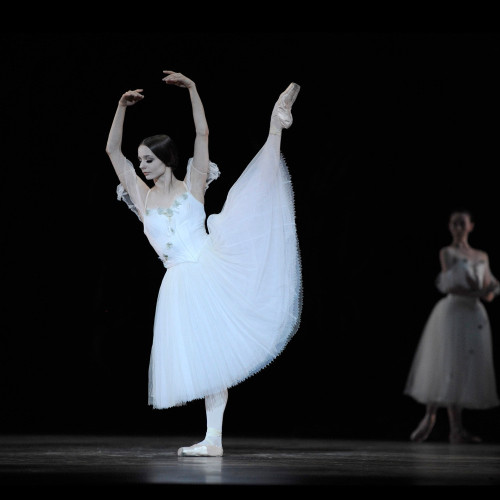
pixel 225 317
pixel 453 363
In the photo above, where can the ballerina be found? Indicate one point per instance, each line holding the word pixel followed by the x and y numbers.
pixel 453 364
pixel 231 296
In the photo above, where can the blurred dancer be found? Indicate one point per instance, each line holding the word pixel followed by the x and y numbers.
pixel 453 364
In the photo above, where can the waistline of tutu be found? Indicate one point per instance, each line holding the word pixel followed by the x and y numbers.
pixel 462 298
pixel 194 257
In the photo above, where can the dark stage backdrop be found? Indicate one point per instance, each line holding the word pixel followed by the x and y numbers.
pixel 391 131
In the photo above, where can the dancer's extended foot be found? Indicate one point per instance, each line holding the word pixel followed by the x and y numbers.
pixel 463 436
pixel 422 432
pixel 281 116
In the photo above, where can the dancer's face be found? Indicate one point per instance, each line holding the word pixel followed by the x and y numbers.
pixel 151 166
pixel 460 224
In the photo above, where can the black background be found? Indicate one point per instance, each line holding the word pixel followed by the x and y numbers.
pixel 391 131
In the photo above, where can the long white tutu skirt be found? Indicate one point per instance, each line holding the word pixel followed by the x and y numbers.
pixel 453 363
pixel 223 318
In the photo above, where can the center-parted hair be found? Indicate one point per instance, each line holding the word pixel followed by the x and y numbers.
pixel 164 148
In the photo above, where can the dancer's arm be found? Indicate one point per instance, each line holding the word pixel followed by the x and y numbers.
pixel 114 145
pixel 490 284
pixel 199 168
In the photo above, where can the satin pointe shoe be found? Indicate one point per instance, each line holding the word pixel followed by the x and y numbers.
pixel 282 112
pixel 422 432
pixel 200 450
pixel 463 437
pixel 419 435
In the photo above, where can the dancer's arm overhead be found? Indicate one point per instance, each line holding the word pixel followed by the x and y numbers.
pixel 200 164
pixel 124 170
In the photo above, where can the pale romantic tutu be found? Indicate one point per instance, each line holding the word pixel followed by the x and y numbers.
pixel 453 363
pixel 231 298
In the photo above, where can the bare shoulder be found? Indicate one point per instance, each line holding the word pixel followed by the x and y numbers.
pixel 445 252
pixel 482 255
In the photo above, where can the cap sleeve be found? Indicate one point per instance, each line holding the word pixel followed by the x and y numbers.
pixel 129 192
pixel 213 173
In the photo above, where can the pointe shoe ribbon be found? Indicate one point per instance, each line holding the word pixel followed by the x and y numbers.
pixel 200 451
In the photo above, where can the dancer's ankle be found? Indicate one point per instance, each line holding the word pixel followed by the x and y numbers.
pixel 213 437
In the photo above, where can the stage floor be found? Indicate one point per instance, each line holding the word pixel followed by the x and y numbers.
pixel 130 461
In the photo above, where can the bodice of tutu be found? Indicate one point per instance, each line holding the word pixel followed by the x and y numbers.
pixel 461 273
pixel 177 233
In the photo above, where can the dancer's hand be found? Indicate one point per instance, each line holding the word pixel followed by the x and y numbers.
pixel 178 79
pixel 489 292
pixel 130 97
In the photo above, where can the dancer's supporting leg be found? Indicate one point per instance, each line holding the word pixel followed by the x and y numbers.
pixel 211 446
pixel 458 434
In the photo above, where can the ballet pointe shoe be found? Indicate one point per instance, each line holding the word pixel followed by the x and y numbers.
pixel 422 432
pixel 282 112
pixel 461 437
pixel 200 450
pixel 284 105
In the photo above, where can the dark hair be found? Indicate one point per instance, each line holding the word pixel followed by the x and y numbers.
pixel 164 148
pixel 461 210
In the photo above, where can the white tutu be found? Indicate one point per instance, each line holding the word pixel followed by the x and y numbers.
pixel 453 363
pixel 231 299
